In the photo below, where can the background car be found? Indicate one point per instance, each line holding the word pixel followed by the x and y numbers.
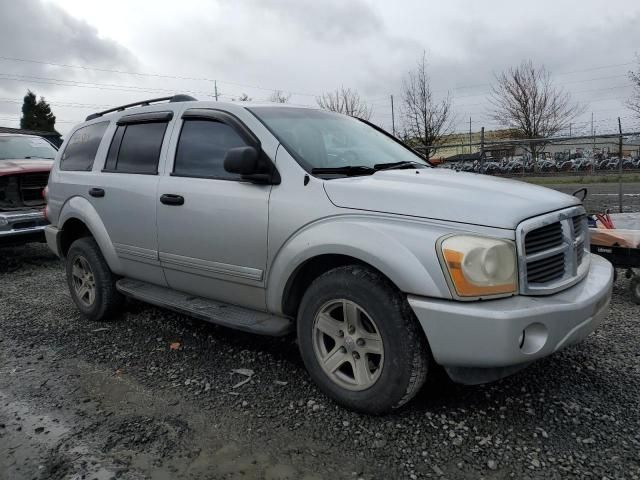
pixel 25 162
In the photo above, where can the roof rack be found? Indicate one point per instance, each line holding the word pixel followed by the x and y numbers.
pixel 173 99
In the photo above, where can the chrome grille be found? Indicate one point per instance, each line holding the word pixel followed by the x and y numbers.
pixel 546 269
pixel 543 238
pixel 552 251
pixel 578 222
pixel 581 232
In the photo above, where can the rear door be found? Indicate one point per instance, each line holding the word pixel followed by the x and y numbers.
pixel 125 192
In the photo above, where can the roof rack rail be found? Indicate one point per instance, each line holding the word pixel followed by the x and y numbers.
pixel 172 99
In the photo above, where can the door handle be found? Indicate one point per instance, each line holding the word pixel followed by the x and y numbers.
pixel 96 192
pixel 171 199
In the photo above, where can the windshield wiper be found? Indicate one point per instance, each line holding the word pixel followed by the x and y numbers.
pixel 397 165
pixel 349 170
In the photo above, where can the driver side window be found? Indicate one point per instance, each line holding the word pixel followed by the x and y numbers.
pixel 202 147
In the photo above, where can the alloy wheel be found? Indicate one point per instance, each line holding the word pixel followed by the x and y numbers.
pixel 84 282
pixel 348 345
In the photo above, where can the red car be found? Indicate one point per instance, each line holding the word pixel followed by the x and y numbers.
pixel 25 162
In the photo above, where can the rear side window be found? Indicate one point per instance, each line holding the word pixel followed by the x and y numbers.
pixel 135 148
pixel 202 147
pixel 81 149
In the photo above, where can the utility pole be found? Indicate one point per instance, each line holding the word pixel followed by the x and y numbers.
pixel 593 147
pixel 481 148
pixel 469 135
pixel 620 165
pixel 215 89
pixel 393 118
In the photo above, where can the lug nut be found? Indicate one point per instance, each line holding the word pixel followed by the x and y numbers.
pixel 356 355
pixel 343 350
pixel 352 329
pixel 340 333
pixel 360 342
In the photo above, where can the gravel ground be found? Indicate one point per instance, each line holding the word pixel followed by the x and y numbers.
pixel 154 395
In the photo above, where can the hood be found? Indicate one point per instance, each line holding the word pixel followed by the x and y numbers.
pixel 11 167
pixel 448 195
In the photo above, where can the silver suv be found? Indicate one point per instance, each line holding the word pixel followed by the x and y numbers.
pixel 276 219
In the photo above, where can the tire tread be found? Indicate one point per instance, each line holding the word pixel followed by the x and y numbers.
pixel 109 299
pixel 415 341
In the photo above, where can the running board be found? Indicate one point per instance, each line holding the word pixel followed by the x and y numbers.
pixel 231 316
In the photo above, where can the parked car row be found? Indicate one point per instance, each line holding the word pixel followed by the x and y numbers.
pixel 520 166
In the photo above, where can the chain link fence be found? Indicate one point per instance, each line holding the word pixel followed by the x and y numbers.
pixel 609 165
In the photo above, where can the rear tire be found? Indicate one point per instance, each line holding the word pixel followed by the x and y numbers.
pixel 375 357
pixel 91 283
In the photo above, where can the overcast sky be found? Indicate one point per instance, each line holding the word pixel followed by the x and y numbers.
pixel 308 47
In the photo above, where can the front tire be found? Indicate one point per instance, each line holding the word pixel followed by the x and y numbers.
pixel 360 341
pixel 91 283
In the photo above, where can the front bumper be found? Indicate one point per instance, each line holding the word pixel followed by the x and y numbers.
pixel 498 337
pixel 22 226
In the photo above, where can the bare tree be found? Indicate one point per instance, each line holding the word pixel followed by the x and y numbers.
pixel 347 101
pixel 242 98
pixel 526 101
pixel 634 101
pixel 278 96
pixel 426 121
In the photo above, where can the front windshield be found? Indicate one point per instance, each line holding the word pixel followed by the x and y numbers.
pixel 321 139
pixel 18 148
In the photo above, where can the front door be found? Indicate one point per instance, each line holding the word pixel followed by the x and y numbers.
pixel 212 226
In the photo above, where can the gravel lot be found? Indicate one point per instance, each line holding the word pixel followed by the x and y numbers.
pixel 154 395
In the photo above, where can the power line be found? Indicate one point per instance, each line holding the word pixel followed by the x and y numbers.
pixel 14 117
pixel 103 86
pixel 61 104
pixel 139 89
pixel 207 79
pixel 154 75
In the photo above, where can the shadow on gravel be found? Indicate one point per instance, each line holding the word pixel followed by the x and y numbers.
pixel 282 348
pixel 15 258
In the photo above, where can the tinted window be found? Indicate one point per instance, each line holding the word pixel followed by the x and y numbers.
pixel 112 156
pixel 139 148
pixel 82 147
pixel 202 148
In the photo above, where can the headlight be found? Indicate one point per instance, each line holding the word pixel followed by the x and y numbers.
pixel 479 266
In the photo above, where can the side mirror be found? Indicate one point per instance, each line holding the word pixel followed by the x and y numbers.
pixel 242 160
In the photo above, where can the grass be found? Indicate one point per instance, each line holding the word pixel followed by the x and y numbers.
pixel 582 179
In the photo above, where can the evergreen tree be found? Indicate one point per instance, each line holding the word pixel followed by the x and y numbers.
pixel 28 110
pixel 37 115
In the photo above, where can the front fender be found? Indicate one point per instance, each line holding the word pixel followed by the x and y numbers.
pixel 403 250
pixel 80 208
